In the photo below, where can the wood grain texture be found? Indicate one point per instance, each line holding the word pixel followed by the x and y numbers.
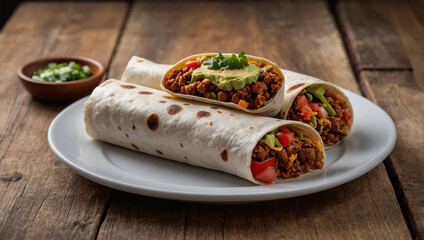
pixel 40 197
pixel 372 39
pixel 399 94
pixel 333 214
pixel 297 35
pixel 162 32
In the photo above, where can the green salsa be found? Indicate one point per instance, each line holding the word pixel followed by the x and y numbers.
pixel 62 72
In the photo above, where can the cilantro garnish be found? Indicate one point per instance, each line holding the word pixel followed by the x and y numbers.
pixel 222 62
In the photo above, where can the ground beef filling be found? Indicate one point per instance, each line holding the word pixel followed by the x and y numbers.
pixel 255 93
pixel 333 128
pixel 296 158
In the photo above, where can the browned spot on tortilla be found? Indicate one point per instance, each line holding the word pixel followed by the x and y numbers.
pixel 224 155
pixel 294 87
pixel 250 127
pixel 279 120
pixel 169 97
pixel 135 146
pixel 119 128
pixel 162 101
pixel 219 112
pixel 112 94
pixel 211 123
pixel 133 127
pixel 174 109
pixel 126 134
pixel 186 104
pixel 203 114
pixel 152 121
pixel 181 145
pixel 161 153
pixel 185 157
pixel 127 86
pixel 145 92
pixel 214 107
pixel 231 115
pixel 140 60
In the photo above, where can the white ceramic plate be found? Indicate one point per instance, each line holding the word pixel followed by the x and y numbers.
pixel 372 138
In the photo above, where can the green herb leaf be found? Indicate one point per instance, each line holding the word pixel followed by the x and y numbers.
pixel 220 61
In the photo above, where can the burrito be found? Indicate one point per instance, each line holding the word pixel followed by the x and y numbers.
pixel 247 83
pixel 260 149
pixel 320 104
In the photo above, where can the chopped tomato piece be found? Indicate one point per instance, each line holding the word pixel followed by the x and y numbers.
pixel 306 111
pixel 301 101
pixel 322 113
pixel 243 104
pixel 259 167
pixel 192 64
pixel 285 138
pixel 284 129
pixel 346 115
pixel 314 106
pixel 267 176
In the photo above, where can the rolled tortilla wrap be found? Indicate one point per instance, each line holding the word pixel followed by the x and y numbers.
pixel 144 72
pixel 156 123
pixel 257 104
pixel 295 84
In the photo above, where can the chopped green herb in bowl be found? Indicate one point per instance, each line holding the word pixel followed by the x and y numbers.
pixel 62 72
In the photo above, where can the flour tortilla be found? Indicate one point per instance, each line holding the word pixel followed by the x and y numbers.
pixel 156 123
pixel 271 107
pixel 296 82
pixel 144 72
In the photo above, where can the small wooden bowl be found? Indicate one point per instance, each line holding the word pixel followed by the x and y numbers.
pixel 60 92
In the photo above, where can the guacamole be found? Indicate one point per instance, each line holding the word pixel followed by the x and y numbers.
pixel 226 79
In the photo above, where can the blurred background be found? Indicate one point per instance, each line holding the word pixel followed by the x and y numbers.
pixel 8 6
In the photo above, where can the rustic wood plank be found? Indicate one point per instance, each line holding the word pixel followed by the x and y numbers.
pixel 411 32
pixel 373 41
pixel 41 197
pixel 154 34
pixel 297 35
pixel 336 213
pixel 399 94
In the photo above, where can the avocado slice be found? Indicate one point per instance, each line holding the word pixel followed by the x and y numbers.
pixel 318 92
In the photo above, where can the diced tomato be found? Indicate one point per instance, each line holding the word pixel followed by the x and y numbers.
pixel 192 64
pixel 314 106
pixel 286 138
pixel 301 101
pixel 307 111
pixel 346 115
pixel 322 113
pixel 267 176
pixel 284 129
pixel 259 167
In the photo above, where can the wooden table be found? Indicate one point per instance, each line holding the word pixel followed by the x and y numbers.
pixel 370 48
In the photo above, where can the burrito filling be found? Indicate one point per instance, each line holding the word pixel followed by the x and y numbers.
pixel 285 153
pixel 329 115
pixel 235 79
